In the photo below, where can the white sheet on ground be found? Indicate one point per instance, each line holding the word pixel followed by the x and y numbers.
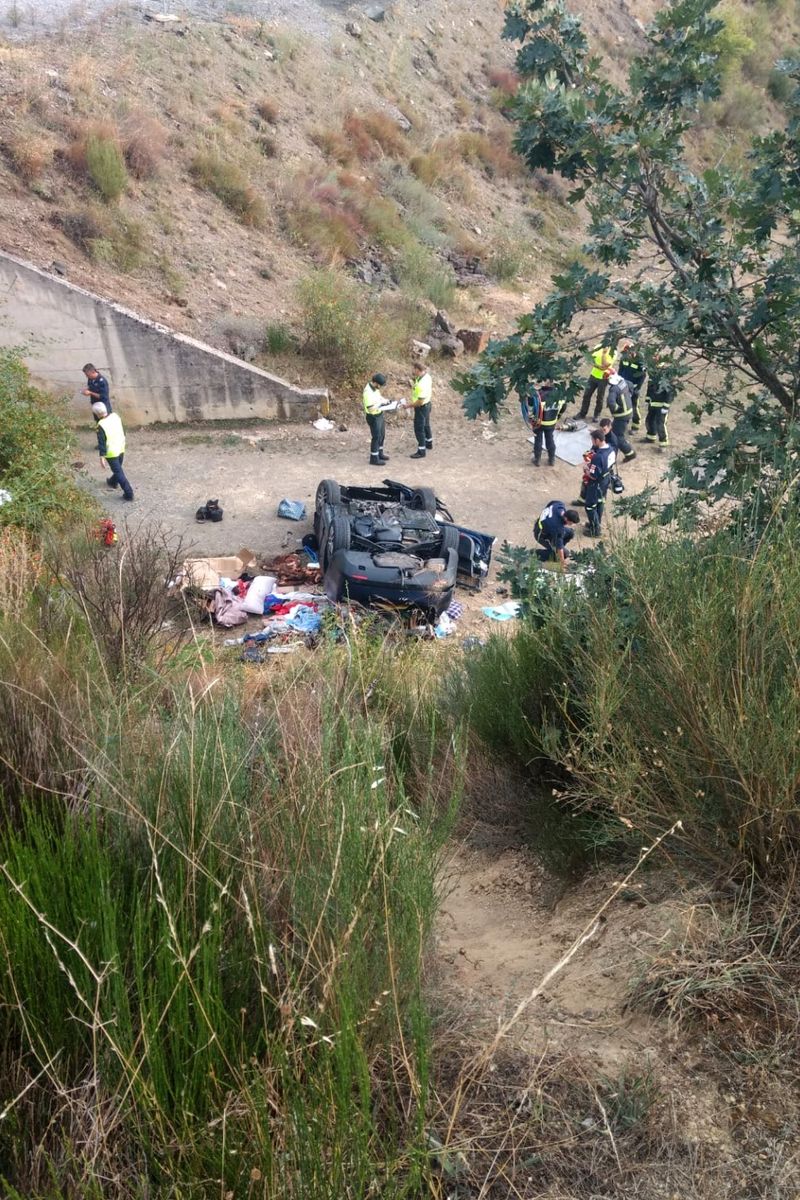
pixel 571 447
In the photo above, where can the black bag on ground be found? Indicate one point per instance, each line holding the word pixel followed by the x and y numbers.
pixel 210 511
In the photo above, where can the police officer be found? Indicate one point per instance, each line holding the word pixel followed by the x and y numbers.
pixel 550 411
pixel 619 403
pixel 660 396
pixel 603 361
pixel 375 405
pixel 111 447
pixel 421 395
pixel 97 391
pixel 553 531
pixel 634 372
pixel 598 473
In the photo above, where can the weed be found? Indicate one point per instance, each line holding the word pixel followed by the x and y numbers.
pixel 145 144
pixel 227 182
pixel 509 257
pixel 425 276
pixel 324 217
pixel 338 325
pixel 96 152
pixel 30 154
pixel 267 110
pixel 278 339
pixel 373 134
pixel 503 79
pixel 492 153
pixel 779 86
pixel 268 145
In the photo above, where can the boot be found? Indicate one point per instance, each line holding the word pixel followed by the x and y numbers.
pixel 418 454
pixel 536 462
pixel 551 462
pixel 429 445
pixel 384 458
pixel 628 457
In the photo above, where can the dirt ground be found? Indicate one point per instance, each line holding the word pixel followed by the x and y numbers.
pixel 483 473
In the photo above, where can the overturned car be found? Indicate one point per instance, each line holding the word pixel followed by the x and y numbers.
pixel 395 546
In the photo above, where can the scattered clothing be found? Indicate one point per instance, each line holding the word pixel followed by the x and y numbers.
pixel 503 612
pixel 292 510
pixel 226 609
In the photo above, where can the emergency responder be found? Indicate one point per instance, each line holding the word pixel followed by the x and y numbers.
pixel 421 393
pixel 97 389
pixel 660 395
pixel 619 404
pixel 111 447
pixel 603 361
pixel 598 472
pixel 553 531
pixel 375 405
pixel 613 446
pixel 633 370
pixel 550 411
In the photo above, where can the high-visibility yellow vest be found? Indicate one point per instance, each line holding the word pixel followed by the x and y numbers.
pixel 422 390
pixel 603 358
pixel 111 426
pixel 373 400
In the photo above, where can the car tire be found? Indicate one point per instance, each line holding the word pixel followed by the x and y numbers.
pixel 338 538
pixel 450 539
pixel 328 492
pixel 424 498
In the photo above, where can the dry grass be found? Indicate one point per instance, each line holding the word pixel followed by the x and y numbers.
pixel 503 80
pixel 20 571
pixel 229 184
pixel 491 152
pixel 30 152
pixel 145 142
pixel 267 110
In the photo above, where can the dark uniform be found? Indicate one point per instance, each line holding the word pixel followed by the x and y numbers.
pixel 98 391
pixel 633 371
pixel 550 410
pixel 620 407
pixel 551 531
pixel 599 480
pixel 659 398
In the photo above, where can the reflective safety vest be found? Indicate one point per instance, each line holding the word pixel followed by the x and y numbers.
pixel 619 400
pixel 551 409
pixel 603 359
pixel 111 426
pixel 422 390
pixel 374 402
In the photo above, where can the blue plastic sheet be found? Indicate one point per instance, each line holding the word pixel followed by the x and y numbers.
pixel 293 510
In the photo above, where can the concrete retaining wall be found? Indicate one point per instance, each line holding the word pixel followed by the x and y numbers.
pixel 155 374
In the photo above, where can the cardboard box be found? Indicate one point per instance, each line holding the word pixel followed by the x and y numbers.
pixel 205 573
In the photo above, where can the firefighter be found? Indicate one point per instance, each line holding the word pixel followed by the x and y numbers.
pixel 660 396
pixel 553 531
pixel 633 370
pixel 613 446
pixel 598 479
pixel 550 411
pixel 620 407
pixel 603 361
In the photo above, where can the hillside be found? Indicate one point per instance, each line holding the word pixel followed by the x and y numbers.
pixel 199 173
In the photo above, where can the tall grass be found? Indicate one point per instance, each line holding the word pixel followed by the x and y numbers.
pixel 211 952
pixel 665 689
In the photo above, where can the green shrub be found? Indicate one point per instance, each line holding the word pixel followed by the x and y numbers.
pixel 229 184
pixel 664 688
pixel 338 326
pixel 423 275
pixel 779 86
pixel 105 165
pixel 279 339
pixel 36 447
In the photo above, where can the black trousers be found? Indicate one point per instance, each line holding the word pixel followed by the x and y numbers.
pixel 118 477
pixel 546 434
pixel 636 420
pixel 656 422
pixel 598 386
pixel 377 428
pixel 422 426
pixel 619 427
pixel 595 504
pixel 548 552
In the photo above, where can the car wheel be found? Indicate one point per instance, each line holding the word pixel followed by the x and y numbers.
pixel 338 538
pixel 450 539
pixel 425 499
pixel 328 492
